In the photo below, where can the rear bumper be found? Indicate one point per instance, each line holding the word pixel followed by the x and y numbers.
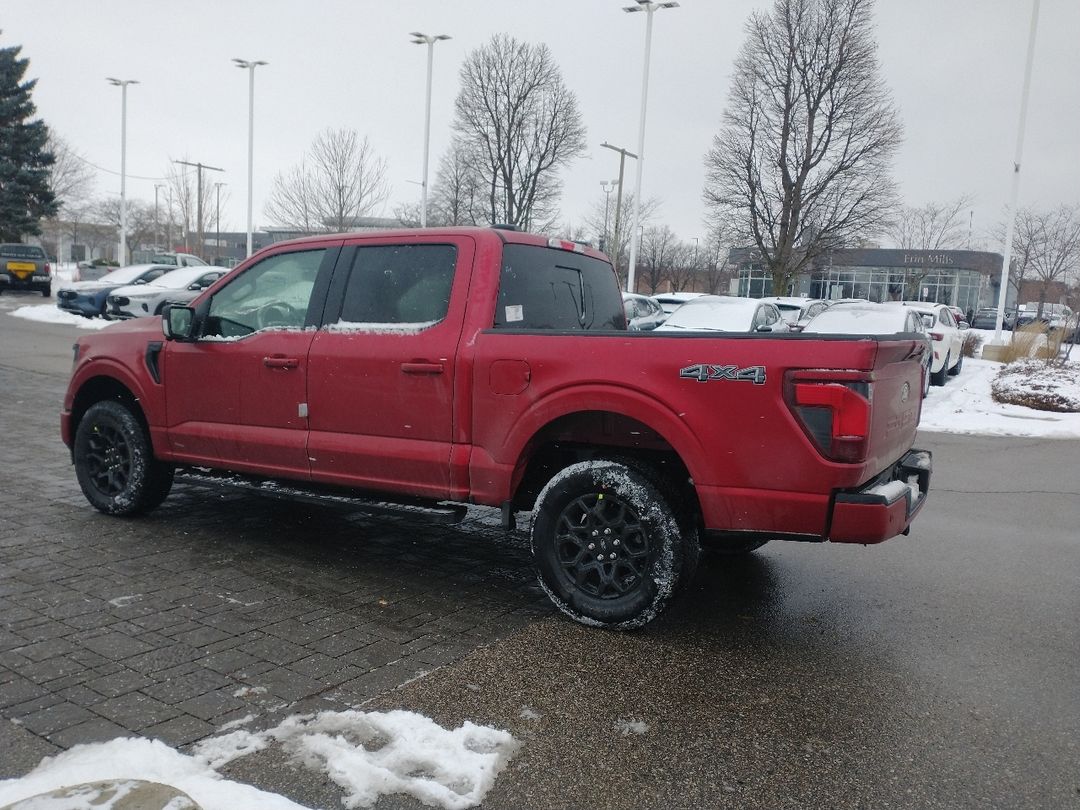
pixel 885 506
pixel 36 282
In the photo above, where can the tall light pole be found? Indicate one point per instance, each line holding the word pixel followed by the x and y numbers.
pixel 157 222
pixel 623 155
pixel 1003 291
pixel 424 39
pixel 123 85
pixel 649 8
pixel 250 66
pixel 217 222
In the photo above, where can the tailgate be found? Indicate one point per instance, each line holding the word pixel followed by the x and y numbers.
pixel 896 401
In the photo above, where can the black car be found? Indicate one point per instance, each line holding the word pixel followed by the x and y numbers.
pixel 986 318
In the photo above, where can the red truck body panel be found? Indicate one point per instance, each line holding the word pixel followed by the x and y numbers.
pixel 455 410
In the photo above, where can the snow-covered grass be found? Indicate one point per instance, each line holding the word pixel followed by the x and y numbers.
pixel 367 754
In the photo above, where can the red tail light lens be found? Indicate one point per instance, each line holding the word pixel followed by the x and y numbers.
pixel 834 412
pixel 937 336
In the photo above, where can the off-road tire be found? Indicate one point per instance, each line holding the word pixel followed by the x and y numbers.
pixel 608 546
pixel 115 464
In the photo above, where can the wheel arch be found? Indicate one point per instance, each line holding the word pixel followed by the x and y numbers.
pixel 619 424
pixel 102 387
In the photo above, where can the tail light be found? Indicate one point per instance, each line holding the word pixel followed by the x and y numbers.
pixel 833 409
pixel 937 336
pixel 48 270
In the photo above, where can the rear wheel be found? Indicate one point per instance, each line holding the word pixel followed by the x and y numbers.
pixel 115 462
pixel 938 377
pixel 959 365
pixel 607 545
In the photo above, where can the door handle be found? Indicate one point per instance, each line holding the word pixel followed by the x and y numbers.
pixel 422 368
pixel 278 361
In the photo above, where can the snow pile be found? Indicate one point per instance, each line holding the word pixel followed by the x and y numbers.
pixel 1034 382
pixel 50 313
pixel 367 754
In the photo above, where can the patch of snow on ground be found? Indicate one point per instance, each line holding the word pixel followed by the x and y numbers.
pixel 628 727
pixel 964 405
pixel 367 754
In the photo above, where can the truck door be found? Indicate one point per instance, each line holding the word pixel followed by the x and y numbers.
pixel 237 395
pixel 382 370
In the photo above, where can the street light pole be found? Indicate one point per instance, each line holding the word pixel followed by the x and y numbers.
pixel 123 85
pixel 217 223
pixel 1003 290
pixel 424 39
pixel 250 66
pixel 649 8
pixel 623 155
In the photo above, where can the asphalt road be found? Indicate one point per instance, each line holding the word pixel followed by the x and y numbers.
pixel 936 670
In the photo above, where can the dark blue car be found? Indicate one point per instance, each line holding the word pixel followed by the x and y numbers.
pixel 87 298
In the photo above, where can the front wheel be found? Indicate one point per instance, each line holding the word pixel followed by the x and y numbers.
pixel 607 545
pixel 115 462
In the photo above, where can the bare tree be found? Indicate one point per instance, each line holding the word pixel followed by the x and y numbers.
pixel 619 254
pixel 71 179
pixel 935 226
pixel 518 124
pixel 456 197
pixel 139 218
pixel 1058 248
pixel 715 274
pixel 658 247
pixel 1026 243
pixel 801 165
pixel 683 266
pixel 183 199
pixel 340 180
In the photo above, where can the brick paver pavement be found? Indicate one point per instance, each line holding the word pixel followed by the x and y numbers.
pixel 217 606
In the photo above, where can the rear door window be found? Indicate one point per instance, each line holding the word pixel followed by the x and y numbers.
pixel 399 286
pixel 545 288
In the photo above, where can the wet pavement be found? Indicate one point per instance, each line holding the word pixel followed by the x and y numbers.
pixel 937 670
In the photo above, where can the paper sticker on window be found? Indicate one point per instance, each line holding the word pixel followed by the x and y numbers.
pixel 515 313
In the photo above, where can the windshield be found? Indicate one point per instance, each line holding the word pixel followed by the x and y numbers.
pixel 17 251
pixel 178 279
pixel 125 275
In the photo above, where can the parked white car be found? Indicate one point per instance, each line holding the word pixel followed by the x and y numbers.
pixel 867 318
pixel 643 312
pixel 723 313
pixel 670 302
pixel 797 311
pixel 174 287
pixel 946 336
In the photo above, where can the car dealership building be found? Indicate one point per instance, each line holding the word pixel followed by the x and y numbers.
pixel 967 279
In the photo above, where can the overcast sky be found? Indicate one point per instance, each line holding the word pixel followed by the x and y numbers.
pixel 955 68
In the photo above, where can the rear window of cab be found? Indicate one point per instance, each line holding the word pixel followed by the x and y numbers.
pixel 546 288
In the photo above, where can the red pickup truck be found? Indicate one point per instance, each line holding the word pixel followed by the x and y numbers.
pixel 428 369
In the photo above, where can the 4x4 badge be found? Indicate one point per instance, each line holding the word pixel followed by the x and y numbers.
pixel 703 372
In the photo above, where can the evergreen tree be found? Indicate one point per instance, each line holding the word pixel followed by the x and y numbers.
pixel 24 158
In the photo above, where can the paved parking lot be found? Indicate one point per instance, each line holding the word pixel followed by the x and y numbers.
pixel 215 607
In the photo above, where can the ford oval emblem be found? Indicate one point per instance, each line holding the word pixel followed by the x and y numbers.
pixel 905 392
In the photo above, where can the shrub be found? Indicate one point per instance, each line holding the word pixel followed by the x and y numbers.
pixel 1038 385
pixel 1025 342
pixel 972 342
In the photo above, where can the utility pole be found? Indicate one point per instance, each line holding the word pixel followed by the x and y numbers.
pixel 199 200
pixel 157 221
pixel 608 186
pixel 623 155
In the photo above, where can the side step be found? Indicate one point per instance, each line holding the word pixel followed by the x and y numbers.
pixel 375 503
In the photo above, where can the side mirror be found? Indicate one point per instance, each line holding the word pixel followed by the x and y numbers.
pixel 177 322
